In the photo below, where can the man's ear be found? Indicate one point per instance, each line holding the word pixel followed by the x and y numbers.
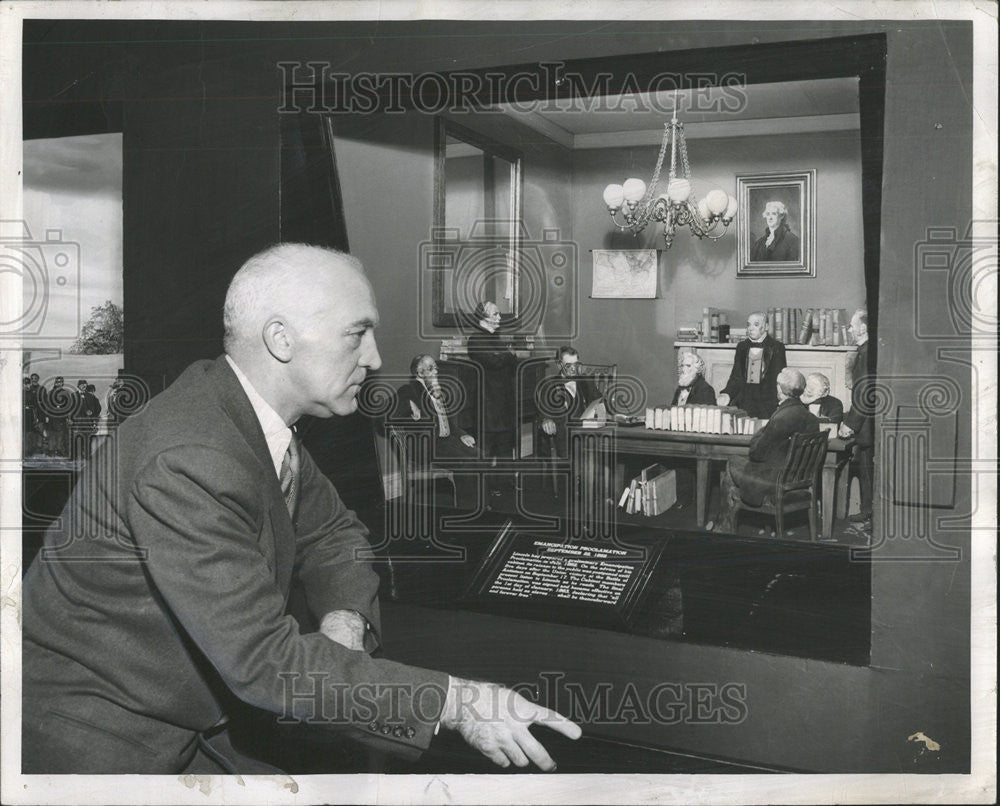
pixel 278 339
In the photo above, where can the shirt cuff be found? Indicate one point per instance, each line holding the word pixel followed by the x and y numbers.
pixel 437 727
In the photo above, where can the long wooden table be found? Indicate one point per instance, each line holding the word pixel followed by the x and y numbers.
pixel 708 448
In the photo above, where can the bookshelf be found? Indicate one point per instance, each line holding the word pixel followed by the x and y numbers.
pixel 831 361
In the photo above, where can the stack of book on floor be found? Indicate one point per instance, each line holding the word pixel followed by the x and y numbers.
pixel 651 492
pixel 702 419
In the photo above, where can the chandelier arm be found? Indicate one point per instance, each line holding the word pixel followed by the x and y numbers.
pixel 684 152
pixel 651 188
pixel 669 212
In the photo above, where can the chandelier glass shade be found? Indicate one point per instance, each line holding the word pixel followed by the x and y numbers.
pixel 634 204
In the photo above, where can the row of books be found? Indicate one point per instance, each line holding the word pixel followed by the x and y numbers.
pixel 817 326
pixel 714 326
pixel 703 419
pixel 651 492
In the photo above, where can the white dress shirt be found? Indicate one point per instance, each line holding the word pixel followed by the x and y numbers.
pixel 277 434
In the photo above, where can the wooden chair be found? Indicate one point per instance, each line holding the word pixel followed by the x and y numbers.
pixel 605 377
pixel 797 486
pixel 412 448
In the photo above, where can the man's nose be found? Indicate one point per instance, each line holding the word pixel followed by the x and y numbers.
pixel 370 357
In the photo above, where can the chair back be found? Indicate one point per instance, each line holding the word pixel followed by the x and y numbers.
pixel 805 455
pixel 398 450
pixel 413 448
pixel 605 378
pixel 603 375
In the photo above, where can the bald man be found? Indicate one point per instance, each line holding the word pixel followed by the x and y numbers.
pixel 752 479
pixel 756 363
pixel 157 604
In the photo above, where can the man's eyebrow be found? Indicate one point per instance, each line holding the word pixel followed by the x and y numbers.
pixel 365 323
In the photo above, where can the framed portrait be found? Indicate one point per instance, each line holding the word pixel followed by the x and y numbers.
pixel 776 226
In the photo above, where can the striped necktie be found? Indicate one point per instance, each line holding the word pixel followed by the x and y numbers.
pixel 289 477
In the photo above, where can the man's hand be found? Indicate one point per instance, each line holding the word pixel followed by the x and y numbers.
pixel 845 431
pixel 495 720
pixel 468 441
pixel 414 411
pixel 723 399
pixel 549 427
pixel 346 627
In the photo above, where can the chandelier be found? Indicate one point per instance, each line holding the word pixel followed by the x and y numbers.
pixel 639 204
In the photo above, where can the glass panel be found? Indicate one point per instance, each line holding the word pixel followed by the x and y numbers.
pixel 74 324
pixel 465 183
pixel 477 205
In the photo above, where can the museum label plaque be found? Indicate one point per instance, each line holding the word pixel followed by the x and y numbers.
pixel 589 583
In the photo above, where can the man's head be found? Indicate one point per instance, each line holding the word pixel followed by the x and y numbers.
pixel 774 214
pixel 91 388
pixel 859 326
pixel 817 386
pixel 34 379
pixel 81 386
pixel 569 360
pixel 424 367
pixel 689 366
pixel 488 314
pixel 791 383
pixel 58 381
pixel 26 381
pixel 756 326
pixel 299 322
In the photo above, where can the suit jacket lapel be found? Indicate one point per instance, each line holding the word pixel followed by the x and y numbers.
pixel 236 404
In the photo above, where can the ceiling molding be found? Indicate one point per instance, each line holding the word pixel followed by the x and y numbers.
pixel 720 129
pixel 542 124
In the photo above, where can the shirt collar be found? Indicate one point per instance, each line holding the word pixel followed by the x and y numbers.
pixel 276 433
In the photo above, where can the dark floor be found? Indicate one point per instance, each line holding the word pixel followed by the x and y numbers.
pixel 306 751
pixel 536 496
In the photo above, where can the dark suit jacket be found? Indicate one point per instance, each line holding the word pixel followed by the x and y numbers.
pixel 859 419
pixel 557 404
pixel 701 393
pixel 830 407
pixel 786 246
pixel 414 392
pixel 499 371
pixel 769 449
pixel 185 553
pixel 763 400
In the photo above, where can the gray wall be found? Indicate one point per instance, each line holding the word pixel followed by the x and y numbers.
pixel 386 167
pixel 639 334
pixel 201 178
